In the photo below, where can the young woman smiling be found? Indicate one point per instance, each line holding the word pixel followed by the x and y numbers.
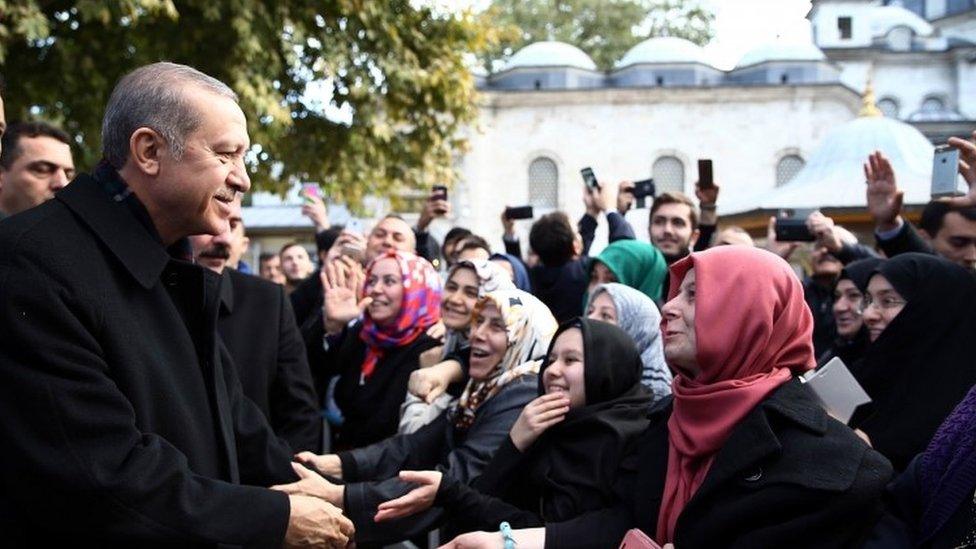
pixel 509 334
pixel 568 453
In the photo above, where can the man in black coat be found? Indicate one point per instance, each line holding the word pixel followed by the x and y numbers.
pixel 123 420
pixel 257 325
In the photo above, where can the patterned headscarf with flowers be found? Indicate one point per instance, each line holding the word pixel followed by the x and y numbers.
pixel 529 326
pixel 420 308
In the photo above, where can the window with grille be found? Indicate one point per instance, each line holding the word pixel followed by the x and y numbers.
pixel 844 27
pixel 543 184
pixel 787 168
pixel 932 105
pixel 669 174
pixel 889 107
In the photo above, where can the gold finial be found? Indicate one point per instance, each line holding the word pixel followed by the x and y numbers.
pixel 868 106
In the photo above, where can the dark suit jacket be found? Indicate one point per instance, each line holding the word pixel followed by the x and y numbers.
pixel 258 327
pixel 121 420
pixel 907 240
pixel 788 476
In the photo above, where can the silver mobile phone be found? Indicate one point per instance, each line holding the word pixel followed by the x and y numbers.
pixel 945 170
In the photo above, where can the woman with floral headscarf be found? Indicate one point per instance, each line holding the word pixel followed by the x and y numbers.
pixel 509 335
pixel 467 281
pixel 375 354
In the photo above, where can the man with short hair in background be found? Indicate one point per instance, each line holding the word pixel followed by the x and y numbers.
pixel 269 268
pixel 296 265
pixel 35 162
pixel 257 325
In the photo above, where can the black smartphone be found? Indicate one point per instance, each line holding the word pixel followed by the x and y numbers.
pixel 589 178
pixel 791 226
pixel 644 188
pixel 439 192
pixel 705 180
pixel 519 212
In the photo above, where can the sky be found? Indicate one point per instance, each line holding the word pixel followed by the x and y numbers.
pixel 741 25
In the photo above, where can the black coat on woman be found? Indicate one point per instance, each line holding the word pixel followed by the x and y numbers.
pixel 921 366
pixel 581 464
pixel 371 409
pixel 788 476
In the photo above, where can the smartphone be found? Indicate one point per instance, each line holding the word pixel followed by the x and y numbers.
pixel 637 539
pixel 310 190
pixel 590 179
pixel 644 188
pixel 355 253
pixel 791 226
pixel 439 192
pixel 354 226
pixel 705 180
pixel 945 166
pixel 519 212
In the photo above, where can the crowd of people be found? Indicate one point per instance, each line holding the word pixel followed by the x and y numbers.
pixel 155 390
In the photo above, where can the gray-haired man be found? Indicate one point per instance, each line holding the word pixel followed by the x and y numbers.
pixel 123 417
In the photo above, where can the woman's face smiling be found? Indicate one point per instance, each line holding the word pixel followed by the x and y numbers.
pixel 847 312
pixel 385 286
pixel 460 296
pixel 881 305
pixel 564 372
pixel 680 340
pixel 489 341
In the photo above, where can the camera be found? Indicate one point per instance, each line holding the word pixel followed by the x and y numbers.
pixel 791 226
pixel 643 189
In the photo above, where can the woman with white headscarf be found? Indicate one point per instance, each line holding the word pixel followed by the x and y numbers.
pixel 637 315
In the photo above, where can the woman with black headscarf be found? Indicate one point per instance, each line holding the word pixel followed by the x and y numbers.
pixel 852 336
pixel 570 450
pixel 920 312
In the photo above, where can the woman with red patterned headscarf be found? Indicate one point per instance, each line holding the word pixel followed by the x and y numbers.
pixel 374 355
pixel 743 454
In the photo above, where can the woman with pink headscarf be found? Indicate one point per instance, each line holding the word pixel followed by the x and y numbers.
pixel 743 455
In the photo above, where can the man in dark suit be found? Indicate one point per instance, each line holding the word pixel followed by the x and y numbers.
pixel 257 325
pixel 122 420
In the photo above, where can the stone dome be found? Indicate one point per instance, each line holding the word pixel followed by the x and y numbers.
pixel 664 49
pixel 833 176
pixel 781 51
pixel 550 54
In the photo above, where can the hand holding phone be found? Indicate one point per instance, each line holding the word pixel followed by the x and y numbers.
pixel 791 226
pixel 519 212
pixel 945 166
pixel 438 193
pixel 589 178
pixel 705 180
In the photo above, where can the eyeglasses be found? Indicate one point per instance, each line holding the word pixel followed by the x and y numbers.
pixel 883 303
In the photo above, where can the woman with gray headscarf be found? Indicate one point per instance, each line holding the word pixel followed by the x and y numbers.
pixel 637 315
pixel 467 281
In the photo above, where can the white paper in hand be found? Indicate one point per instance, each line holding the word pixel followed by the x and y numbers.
pixel 837 389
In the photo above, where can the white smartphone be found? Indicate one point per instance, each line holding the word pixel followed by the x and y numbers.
pixel 945 169
pixel 837 390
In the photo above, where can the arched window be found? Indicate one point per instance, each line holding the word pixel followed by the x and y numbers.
pixel 900 38
pixel 889 106
pixel 543 183
pixel 669 174
pixel 787 168
pixel 933 104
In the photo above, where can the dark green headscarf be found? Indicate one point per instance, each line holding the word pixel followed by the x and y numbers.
pixel 636 264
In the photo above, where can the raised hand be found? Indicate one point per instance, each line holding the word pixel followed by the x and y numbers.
pixel 707 196
pixel 313 522
pixel 595 200
pixel 782 249
pixel 823 228
pixel 340 302
pixel 328 464
pixel 967 168
pixel 883 197
pixel 625 196
pixel 314 209
pixel 536 417
pixel 416 500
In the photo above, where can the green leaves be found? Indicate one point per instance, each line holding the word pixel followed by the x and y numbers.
pixel 396 87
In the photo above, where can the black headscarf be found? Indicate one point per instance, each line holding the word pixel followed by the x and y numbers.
pixel 923 363
pixel 578 460
pixel 851 351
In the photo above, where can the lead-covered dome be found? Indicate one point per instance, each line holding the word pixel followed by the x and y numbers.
pixel 550 54
pixel 664 49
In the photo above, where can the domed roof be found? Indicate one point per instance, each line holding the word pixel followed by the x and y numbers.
pixel 833 176
pixel 781 51
pixel 885 18
pixel 550 54
pixel 664 49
